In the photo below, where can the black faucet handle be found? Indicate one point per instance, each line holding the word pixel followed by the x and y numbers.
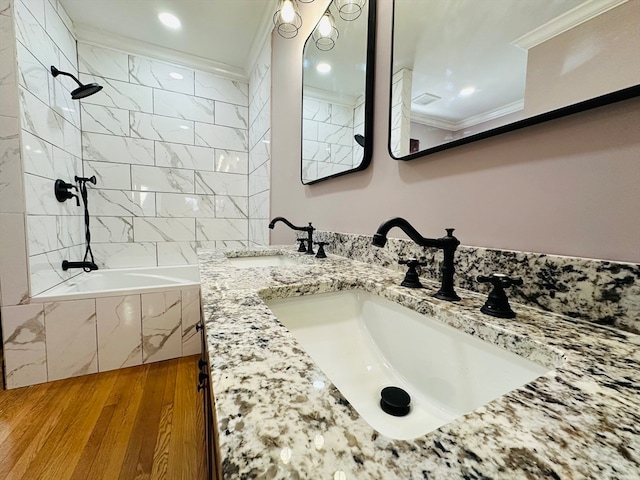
pixel 411 278
pixel 302 241
pixel 497 305
pixel 413 262
pixel 321 253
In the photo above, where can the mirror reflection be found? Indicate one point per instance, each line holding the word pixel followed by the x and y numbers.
pixel 465 67
pixel 334 93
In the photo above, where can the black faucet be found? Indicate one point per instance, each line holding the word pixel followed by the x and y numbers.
pixel 447 244
pixel 308 229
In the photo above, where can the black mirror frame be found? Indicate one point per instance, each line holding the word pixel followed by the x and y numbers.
pixel 368 99
pixel 606 99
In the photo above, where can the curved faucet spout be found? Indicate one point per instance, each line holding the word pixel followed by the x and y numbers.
pixel 308 229
pixel 447 244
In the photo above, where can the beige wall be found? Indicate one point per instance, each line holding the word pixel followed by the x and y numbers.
pixel 567 187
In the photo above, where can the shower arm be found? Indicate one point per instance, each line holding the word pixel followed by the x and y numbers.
pixel 55 72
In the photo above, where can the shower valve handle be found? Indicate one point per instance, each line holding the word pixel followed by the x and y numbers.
pixel 61 190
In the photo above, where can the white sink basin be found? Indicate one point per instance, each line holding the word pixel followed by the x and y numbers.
pixel 262 261
pixel 364 343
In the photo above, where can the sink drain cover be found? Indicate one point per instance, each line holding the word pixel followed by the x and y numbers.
pixel 395 401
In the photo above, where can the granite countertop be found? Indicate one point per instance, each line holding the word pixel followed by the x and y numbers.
pixel 580 420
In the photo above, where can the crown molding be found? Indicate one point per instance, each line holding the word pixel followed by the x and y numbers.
pixel 262 36
pixel 572 18
pixel 103 38
pixel 507 109
pixel 330 97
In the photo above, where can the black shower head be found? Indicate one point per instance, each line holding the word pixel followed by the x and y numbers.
pixel 359 139
pixel 82 90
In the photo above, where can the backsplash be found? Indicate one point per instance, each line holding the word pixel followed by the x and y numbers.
pixel 598 291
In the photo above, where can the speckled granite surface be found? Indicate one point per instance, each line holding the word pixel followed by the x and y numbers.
pixel 599 291
pixel 581 420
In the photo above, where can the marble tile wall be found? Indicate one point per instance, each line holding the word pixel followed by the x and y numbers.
pixel 328 144
pixel 598 291
pixel 400 112
pixel 50 139
pixel 169 146
pixel 259 148
pixel 51 341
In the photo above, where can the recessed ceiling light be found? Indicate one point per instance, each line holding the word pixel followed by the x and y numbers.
pixel 176 75
pixel 323 68
pixel 465 92
pixel 169 20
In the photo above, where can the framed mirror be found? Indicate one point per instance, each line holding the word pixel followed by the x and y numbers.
pixel 337 92
pixel 464 70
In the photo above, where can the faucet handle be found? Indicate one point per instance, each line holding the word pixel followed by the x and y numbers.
pixel 302 241
pixel 497 305
pixel 411 278
pixel 321 253
pixel 413 262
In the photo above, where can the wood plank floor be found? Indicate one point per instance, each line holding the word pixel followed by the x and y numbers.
pixel 137 423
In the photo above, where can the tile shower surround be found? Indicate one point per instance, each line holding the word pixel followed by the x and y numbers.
pixel 598 291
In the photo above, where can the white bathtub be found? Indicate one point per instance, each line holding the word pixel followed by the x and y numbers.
pixel 122 281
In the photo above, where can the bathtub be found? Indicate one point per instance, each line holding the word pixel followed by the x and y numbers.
pixel 104 320
pixel 122 281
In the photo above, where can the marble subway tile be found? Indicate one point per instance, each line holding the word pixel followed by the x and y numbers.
pixel 231 207
pixel 11 176
pixel 341 154
pixel 164 229
pixel 179 105
pixel 125 255
pixel 261 125
pixel 208 229
pixel 118 94
pixel 42 231
pixel 46 269
pixel 191 343
pixel 108 148
pixel 66 167
pixel 60 34
pixel 31 74
pixel 37 9
pixel 209 85
pixel 259 180
pixel 260 70
pixel 259 231
pixel 221 183
pixel 242 244
pixel 185 206
pixel 309 130
pixel 159 179
pixel 228 161
pixel 161 326
pixel 318 151
pixel 227 138
pixel 165 129
pixel 335 134
pixel 177 253
pixel 259 205
pixel 258 100
pixel 40 199
pixel 99 119
pixel 115 176
pixel 325 169
pixel 184 156
pixel 72 139
pixel 341 115
pixel 38 119
pixel 152 73
pixel 24 351
pixel 14 268
pixel 103 62
pixel 62 103
pixel 118 203
pixel 112 229
pixel 313 109
pixel 260 152
pixel 309 170
pixel 70 230
pixel 230 115
pixel 119 330
pixel 31 34
pixel 8 76
pixel 71 338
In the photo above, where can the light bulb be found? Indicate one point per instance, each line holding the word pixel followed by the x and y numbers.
pixel 287 13
pixel 324 27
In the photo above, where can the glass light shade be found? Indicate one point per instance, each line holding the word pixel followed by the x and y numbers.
pixel 287 19
pixel 350 9
pixel 325 34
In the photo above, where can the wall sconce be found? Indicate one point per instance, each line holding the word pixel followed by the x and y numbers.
pixel 350 9
pixel 287 18
pixel 326 33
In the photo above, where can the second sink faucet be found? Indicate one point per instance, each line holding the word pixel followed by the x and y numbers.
pixel 308 229
pixel 447 244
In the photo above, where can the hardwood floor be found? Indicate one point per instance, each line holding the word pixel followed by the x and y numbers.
pixel 137 423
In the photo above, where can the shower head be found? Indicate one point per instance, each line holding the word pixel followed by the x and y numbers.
pixel 359 139
pixel 82 90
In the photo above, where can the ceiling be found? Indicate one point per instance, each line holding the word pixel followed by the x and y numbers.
pixel 223 33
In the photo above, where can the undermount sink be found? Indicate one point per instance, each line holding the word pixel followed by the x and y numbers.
pixel 262 261
pixel 364 343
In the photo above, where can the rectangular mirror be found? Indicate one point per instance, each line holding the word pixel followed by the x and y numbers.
pixel 337 91
pixel 464 70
